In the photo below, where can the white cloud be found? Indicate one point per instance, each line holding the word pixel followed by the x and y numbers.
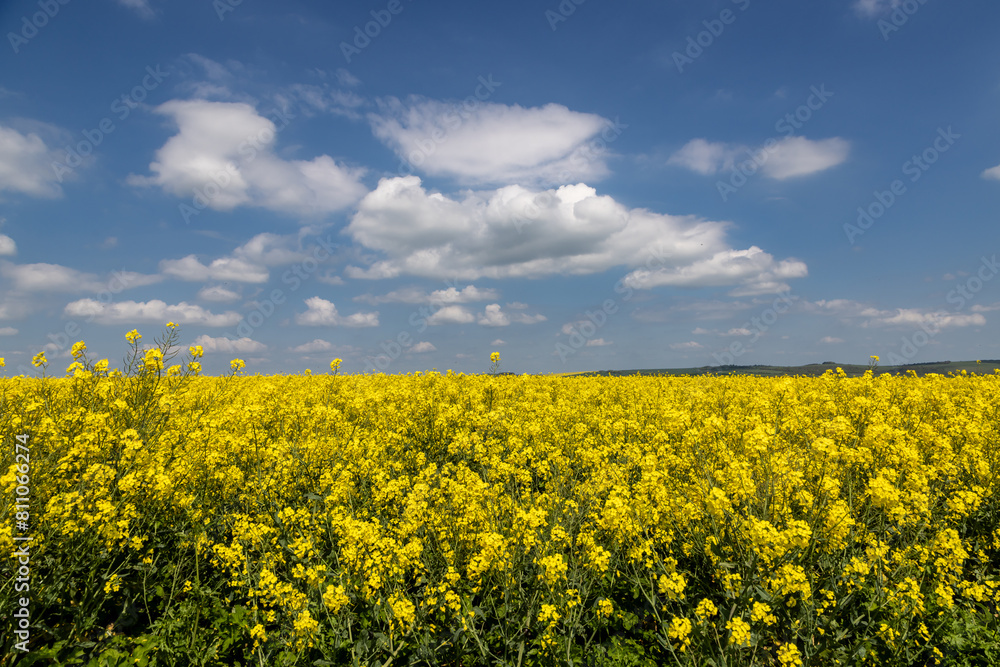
pixel 218 294
pixel 247 264
pixel 228 148
pixel 451 315
pixel 705 158
pixel 979 308
pixel 992 173
pixel 155 311
pixel 575 232
pixel 492 143
pixel 8 331
pixel 7 245
pixel 787 158
pixel 868 316
pixel 691 345
pixel 830 340
pixel 422 346
pixel 324 313
pixel 499 341
pixel 316 345
pixel 598 342
pixel 493 317
pixel 798 156
pixel 26 165
pixel 43 277
pixel 753 270
pixel 222 344
pixel 451 295
pixel 224 268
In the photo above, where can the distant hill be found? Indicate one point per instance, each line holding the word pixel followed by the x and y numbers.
pixel 985 367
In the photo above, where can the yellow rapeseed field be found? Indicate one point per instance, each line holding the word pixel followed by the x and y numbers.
pixel 502 520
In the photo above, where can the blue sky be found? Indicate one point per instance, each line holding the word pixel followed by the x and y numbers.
pixel 579 185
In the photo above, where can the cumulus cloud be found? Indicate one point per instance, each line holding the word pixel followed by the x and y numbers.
pixel 42 277
pixel 868 316
pixel 225 268
pixel 324 313
pixel 451 315
pixel 992 173
pixel 156 311
pixel 247 264
pixel 499 341
pixel 787 158
pixel 422 346
pixel 573 232
pixel 218 294
pixel 598 342
pixel 8 331
pixel 26 165
pixel 690 345
pixel 222 344
pixel 830 340
pixel 492 143
pixel 224 152
pixel 492 316
pixel 315 345
pixel 7 245
pixel 753 270
pixel 450 295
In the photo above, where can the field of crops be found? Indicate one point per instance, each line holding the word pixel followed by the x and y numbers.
pixel 499 520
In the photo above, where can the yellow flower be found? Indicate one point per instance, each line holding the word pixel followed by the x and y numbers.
pixel 495 357
pixel 171 325
pixel 196 351
pixel 237 364
pixel 101 366
pixel 133 335
pixel 706 609
pixel 113 584
pixel 739 632
pixel 335 364
pixel 194 367
pixel 39 360
pixel 680 632
pixel 3 362
pixel 153 360
pixel 788 654
pixel 78 349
